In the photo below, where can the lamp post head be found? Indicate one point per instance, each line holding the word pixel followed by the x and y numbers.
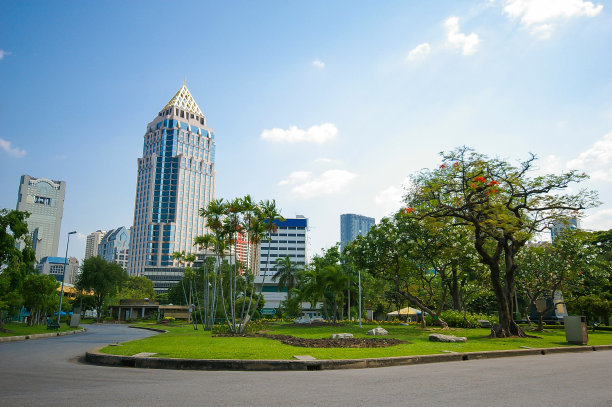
pixel 72 233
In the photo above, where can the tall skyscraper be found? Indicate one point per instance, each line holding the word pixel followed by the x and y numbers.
pixel 92 243
pixel 176 177
pixel 352 225
pixel 44 200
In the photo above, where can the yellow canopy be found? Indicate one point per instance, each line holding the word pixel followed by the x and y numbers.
pixel 405 311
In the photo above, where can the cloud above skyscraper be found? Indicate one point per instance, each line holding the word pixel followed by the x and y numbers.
pixel 306 185
pixel 315 134
pixel 14 151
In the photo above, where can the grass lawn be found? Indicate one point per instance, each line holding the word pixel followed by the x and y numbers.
pixel 22 329
pixel 183 342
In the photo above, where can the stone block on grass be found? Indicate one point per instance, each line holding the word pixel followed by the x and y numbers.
pixel 446 338
pixel 377 331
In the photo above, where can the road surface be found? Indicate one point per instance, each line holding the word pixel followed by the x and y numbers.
pixel 45 372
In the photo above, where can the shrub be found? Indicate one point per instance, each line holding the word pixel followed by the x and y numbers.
pixel 456 319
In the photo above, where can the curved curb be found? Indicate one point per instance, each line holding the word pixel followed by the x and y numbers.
pixel 163 331
pixel 39 336
pixel 95 357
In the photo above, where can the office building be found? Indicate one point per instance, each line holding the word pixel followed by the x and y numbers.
pixel 54 266
pixel 92 243
pixel 44 200
pixel 115 246
pixel 558 227
pixel 352 225
pixel 290 239
pixel 176 177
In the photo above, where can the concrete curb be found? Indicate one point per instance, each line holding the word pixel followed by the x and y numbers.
pixel 95 357
pixel 163 331
pixel 39 336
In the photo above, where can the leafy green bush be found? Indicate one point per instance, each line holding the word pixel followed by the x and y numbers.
pixel 456 319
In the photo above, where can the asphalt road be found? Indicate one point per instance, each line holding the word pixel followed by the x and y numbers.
pixel 45 372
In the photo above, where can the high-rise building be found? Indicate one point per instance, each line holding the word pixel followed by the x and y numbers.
pixel 290 239
pixel 44 200
pixel 92 243
pixel 115 246
pixel 558 227
pixel 176 177
pixel 247 253
pixel 352 225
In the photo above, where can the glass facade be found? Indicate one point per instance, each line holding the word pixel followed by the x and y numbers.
pixel 44 200
pixel 352 225
pixel 176 177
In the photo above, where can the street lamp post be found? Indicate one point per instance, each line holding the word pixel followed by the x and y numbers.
pixel 359 271
pixel 59 313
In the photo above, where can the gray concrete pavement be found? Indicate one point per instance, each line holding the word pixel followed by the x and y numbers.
pixel 44 373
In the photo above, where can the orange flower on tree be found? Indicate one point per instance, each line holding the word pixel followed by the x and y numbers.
pixel 480 179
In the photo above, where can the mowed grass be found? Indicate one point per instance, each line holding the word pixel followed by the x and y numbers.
pixel 19 329
pixel 183 342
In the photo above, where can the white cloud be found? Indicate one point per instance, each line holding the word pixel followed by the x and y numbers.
pixel 468 44
pixel 318 64
pixel 14 151
pixel 4 53
pixel 539 15
pixel 598 220
pixel 597 160
pixel 419 52
pixel 551 164
pixel 296 176
pixel 315 134
pixel 306 185
pixel 390 199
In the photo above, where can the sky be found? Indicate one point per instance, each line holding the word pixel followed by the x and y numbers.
pixel 326 107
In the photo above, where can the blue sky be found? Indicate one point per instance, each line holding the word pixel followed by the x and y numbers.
pixel 326 107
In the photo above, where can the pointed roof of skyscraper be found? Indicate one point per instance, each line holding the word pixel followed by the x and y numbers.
pixel 183 100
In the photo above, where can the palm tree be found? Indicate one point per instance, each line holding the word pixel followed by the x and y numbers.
pixel 334 280
pixel 204 243
pixel 311 286
pixel 286 274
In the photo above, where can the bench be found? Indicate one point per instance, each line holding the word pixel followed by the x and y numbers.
pixel 52 326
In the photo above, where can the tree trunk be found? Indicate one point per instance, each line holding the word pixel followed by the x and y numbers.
pixel 455 289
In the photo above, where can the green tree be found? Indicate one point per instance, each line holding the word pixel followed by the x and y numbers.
pixel 286 274
pixel 544 269
pixel 102 278
pixel 15 264
pixel 40 294
pixel 502 205
pixel 136 287
pixel 390 251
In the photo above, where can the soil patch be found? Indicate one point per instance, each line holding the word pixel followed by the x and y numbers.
pixel 326 342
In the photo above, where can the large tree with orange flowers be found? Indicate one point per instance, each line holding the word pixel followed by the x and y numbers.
pixel 504 205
